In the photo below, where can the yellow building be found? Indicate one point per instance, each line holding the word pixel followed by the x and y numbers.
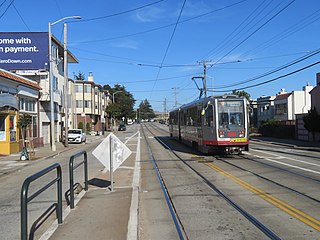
pixel 13 88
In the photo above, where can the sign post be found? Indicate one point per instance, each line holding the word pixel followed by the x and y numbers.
pixel 111 164
pixel 111 152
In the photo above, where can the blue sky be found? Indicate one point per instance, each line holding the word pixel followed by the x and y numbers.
pixel 139 44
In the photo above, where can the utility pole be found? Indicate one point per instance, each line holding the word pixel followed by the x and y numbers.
pixel 175 96
pixel 165 107
pixel 204 78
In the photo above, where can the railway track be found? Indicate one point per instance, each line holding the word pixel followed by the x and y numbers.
pixel 227 161
pixel 175 214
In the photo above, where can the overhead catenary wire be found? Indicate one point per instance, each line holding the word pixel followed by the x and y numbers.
pixel 297 26
pixel 169 43
pixel 226 41
pixel 271 80
pixel 161 27
pixel 255 31
pixel 303 58
pixel 24 22
pixel 5 11
pixel 119 13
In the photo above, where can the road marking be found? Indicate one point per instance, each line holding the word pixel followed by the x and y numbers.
pixel 303 217
pixel 126 167
pixel 292 159
pixel 290 165
pixel 133 219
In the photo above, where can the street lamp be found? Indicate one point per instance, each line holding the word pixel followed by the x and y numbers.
pixel 114 94
pixel 53 144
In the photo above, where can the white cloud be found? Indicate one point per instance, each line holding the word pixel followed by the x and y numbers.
pixel 150 14
pixel 129 44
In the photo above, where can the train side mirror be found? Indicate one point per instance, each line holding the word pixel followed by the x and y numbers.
pixel 204 109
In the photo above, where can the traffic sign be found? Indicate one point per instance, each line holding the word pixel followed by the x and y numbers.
pixel 120 152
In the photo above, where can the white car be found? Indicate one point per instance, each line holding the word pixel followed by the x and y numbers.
pixel 76 136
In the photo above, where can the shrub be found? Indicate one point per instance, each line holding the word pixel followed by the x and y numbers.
pixel 80 125
pixel 276 129
pixel 88 127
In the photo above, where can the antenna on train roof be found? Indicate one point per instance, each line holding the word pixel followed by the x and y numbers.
pixel 200 89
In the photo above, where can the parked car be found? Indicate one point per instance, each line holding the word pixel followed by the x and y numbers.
pixel 76 136
pixel 122 127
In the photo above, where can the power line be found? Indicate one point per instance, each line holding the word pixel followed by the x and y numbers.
pixel 162 27
pixel 309 55
pixel 6 9
pixel 3 3
pixel 286 33
pixel 229 38
pixel 120 13
pixel 168 46
pixel 21 17
pixel 250 35
pixel 274 79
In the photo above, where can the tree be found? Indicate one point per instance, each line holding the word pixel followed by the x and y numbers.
pixel 145 110
pixel 123 102
pixel 242 94
pixel 24 123
pixel 311 122
pixel 80 76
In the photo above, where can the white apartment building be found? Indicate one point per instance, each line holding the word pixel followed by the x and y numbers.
pixel 265 108
pixel 287 105
pixel 90 101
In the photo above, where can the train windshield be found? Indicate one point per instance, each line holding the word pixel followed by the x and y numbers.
pixel 230 115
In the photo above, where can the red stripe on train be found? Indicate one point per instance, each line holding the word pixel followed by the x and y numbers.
pixel 222 143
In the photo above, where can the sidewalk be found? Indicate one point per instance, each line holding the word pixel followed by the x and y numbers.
pixel 12 162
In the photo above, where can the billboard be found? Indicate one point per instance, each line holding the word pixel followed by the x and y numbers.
pixel 24 50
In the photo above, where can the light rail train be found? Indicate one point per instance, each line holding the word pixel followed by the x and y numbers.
pixel 213 124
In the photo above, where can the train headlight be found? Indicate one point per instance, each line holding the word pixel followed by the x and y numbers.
pixel 221 134
pixel 241 133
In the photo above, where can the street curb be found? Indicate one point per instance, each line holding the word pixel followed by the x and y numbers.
pixel 307 148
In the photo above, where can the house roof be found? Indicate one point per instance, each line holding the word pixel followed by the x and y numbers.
pixel 71 58
pixel 19 79
pixel 282 96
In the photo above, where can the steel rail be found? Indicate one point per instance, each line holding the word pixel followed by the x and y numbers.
pixel 178 224
pixel 270 180
pixel 268 232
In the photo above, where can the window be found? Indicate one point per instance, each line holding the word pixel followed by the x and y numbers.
pixel 87 103
pixel 230 115
pixel 34 126
pixel 2 127
pixel 281 109
pixel 79 88
pixel 208 120
pixel 87 88
pixel 79 104
pixel 21 103
pixel 55 83
pixel 12 123
pixel 26 104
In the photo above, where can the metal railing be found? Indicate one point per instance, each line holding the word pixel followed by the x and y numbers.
pixel 25 199
pixel 72 167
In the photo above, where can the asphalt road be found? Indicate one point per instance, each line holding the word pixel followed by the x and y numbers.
pixel 278 184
